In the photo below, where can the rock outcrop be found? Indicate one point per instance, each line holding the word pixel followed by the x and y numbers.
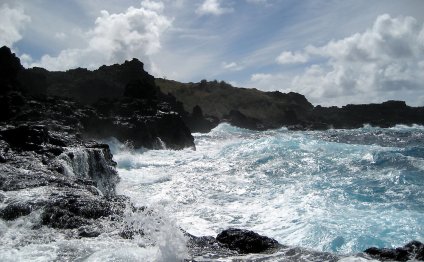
pixel 71 181
pixel 245 241
pixel 386 114
pixel 126 103
pixel 50 164
pixel 413 251
pixel 258 110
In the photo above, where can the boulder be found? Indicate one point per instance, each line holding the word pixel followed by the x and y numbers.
pixel 245 241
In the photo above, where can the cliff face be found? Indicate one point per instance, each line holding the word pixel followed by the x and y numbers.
pixel 87 86
pixel 242 107
pixel 254 109
pixel 119 100
pixel 49 166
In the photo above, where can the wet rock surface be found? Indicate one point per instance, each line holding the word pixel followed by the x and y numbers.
pixel 414 250
pixel 245 241
pixel 34 175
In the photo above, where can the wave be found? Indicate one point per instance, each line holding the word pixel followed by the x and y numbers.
pixel 338 191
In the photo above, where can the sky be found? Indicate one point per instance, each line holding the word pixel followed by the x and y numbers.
pixel 335 52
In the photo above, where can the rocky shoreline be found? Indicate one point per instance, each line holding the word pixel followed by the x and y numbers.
pixel 51 164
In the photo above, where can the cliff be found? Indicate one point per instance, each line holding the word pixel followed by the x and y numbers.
pixel 119 101
pixel 255 109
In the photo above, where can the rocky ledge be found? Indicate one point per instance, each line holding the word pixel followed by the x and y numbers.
pixel 70 181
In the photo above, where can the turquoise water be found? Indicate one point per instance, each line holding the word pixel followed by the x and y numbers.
pixel 340 191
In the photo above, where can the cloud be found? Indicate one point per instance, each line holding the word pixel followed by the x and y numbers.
pixel 12 22
pixel 60 36
pixel 212 7
pixel 115 38
pixel 386 61
pixel 232 66
pixel 270 82
pixel 153 5
pixel 292 58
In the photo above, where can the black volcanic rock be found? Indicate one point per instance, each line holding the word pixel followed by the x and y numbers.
pixel 238 119
pixel 50 168
pixel 386 114
pixel 414 250
pixel 245 241
pixel 10 66
pixel 140 121
pixel 128 105
pixel 197 122
pixel 138 89
pixel 39 160
pixel 87 87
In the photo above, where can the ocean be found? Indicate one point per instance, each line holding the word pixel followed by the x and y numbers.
pixel 336 191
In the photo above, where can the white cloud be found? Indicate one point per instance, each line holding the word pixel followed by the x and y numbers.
pixel 288 57
pixel 60 36
pixel 12 22
pixel 383 62
pixel 213 7
pixel 153 5
pixel 270 82
pixel 261 77
pixel 115 38
pixel 232 66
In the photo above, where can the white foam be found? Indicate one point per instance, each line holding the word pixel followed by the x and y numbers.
pixel 292 186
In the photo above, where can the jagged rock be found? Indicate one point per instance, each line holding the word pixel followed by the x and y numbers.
pixel 143 123
pixel 129 105
pixel 10 65
pixel 414 250
pixel 72 181
pixel 26 137
pixel 140 90
pixel 238 119
pixel 245 241
pixel 208 245
pixel 197 122
pixel 15 210
pixel 75 210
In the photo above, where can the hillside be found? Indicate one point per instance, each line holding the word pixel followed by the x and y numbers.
pixel 218 99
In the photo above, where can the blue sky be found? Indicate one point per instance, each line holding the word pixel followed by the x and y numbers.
pixel 334 52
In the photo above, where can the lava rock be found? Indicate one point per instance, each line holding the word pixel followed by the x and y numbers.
pixel 26 137
pixel 74 211
pixel 245 241
pixel 198 123
pixel 412 250
pixel 15 210
pixel 10 65
pixel 238 119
